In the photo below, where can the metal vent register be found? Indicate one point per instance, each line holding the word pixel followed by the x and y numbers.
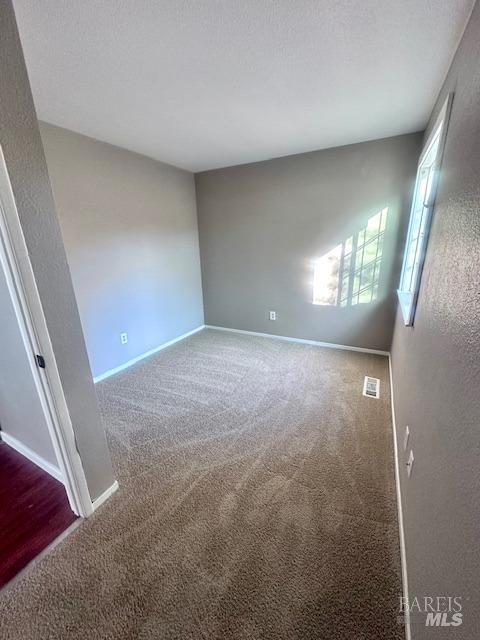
pixel 371 387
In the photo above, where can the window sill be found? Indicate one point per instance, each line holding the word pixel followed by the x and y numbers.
pixel 406 300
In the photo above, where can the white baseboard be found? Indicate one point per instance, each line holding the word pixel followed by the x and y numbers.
pixel 133 361
pixel 328 345
pixel 401 531
pixel 104 496
pixel 50 468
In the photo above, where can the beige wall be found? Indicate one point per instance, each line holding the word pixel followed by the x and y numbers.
pixel 436 370
pixel 129 225
pixel 22 147
pixel 262 225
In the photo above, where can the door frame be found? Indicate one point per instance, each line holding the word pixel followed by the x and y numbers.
pixel 15 262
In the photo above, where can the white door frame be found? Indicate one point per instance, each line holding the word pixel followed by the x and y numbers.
pixel 15 261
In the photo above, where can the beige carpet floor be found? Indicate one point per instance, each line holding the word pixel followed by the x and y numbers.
pixel 257 502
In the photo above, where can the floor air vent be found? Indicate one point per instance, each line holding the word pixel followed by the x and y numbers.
pixel 371 387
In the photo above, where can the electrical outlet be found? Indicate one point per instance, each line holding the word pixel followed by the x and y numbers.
pixel 406 437
pixel 273 315
pixel 124 338
pixel 410 463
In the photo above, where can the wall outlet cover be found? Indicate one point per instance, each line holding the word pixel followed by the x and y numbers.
pixel 123 338
pixel 273 315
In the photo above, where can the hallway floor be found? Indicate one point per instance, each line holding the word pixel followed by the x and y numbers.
pixel 34 511
pixel 256 501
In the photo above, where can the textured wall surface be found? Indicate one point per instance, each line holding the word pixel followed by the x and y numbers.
pixel 22 147
pixel 130 230
pixel 23 419
pixel 262 225
pixel 436 369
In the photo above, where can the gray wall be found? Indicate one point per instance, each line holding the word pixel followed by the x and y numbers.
pixel 21 414
pixel 22 147
pixel 436 369
pixel 261 226
pixel 129 225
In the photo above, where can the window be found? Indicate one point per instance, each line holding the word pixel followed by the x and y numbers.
pixel 421 214
pixel 325 277
pixel 349 274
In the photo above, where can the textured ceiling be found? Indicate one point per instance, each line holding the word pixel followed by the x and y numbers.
pixel 210 83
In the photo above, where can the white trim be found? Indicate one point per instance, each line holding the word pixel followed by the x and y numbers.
pixel 401 531
pixel 125 365
pixel 315 343
pixel 408 298
pixel 50 468
pixel 15 261
pixel 104 496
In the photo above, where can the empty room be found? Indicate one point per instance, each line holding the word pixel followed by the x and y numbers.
pixel 240 310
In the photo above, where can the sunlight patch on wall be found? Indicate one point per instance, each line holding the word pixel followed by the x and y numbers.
pixel 325 277
pixel 349 273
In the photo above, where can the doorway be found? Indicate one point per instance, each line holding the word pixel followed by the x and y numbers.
pixel 34 506
pixel 43 483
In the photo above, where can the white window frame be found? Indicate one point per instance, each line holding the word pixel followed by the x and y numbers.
pixel 408 296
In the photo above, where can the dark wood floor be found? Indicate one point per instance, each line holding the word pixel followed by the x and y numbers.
pixel 34 510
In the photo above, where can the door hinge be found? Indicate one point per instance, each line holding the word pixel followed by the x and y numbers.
pixel 40 361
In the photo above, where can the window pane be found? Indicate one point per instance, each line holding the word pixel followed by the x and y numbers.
pixel 367 275
pixel 356 283
pixel 365 296
pixel 370 251
pixel 373 227
pixel 428 188
pixel 359 258
pixel 418 245
pixel 383 224
pixel 326 276
pixel 420 219
pixel 344 287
